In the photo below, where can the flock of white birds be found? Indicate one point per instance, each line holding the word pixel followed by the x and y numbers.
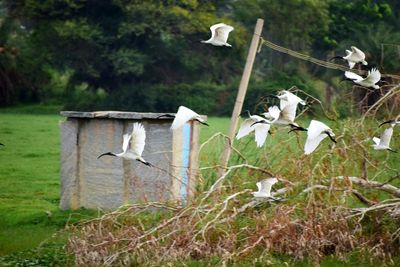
pixel 284 115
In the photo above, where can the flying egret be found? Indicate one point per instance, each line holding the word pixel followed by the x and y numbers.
pixel 133 145
pixel 219 35
pixel 383 142
pixel 260 130
pixel 353 57
pixel 184 115
pixel 372 78
pixel 264 188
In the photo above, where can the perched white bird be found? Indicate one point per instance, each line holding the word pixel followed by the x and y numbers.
pixel 264 187
pixel 133 145
pixel 260 130
pixel 219 35
pixel 373 77
pixel 316 132
pixel 383 142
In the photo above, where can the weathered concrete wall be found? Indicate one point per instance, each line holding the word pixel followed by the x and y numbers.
pixel 110 182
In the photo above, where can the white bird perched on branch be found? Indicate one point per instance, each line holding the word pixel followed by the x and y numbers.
pixel 260 130
pixel 372 78
pixel 133 145
pixel 383 142
pixel 264 188
pixel 353 57
pixel 219 35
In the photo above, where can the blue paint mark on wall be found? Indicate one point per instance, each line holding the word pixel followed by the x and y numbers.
pixel 185 160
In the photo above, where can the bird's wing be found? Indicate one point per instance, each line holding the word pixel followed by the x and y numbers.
pixel 312 143
pixel 348 52
pixel 222 32
pixel 182 116
pixel 289 112
pixel 351 64
pixel 213 29
pixel 259 186
pixel 261 133
pixel 376 140
pixel 357 54
pixel 386 136
pixel 245 128
pixel 294 99
pixel 125 143
pixel 373 76
pixel 138 139
pixel 274 112
pixel 352 76
pixel 267 184
pixel 316 128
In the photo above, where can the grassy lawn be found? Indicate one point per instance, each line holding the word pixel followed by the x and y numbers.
pixel 29 173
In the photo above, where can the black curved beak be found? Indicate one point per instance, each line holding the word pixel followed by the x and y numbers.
pixel 166 115
pixel 385 122
pixel 336 57
pixel 257 122
pixel 107 154
pixel 204 123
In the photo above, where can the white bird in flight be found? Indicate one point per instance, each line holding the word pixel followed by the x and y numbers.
pixel 219 35
pixel 383 142
pixel 353 57
pixel 316 132
pixel 260 130
pixel 183 115
pixel 372 78
pixel 264 188
pixel 286 114
pixel 133 145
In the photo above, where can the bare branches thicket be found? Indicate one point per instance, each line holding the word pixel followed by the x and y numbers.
pixel 344 197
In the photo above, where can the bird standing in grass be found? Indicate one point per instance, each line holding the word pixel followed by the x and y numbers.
pixel 372 78
pixel 383 142
pixel 260 130
pixel 219 35
pixel 133 145
pixel 264 188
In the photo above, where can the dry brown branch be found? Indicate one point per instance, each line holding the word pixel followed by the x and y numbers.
pixel 371 184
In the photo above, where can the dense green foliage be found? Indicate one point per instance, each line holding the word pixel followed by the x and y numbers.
pixel 147 55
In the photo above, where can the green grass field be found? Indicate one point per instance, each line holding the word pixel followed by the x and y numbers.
pixel 29 174
pixel 30 179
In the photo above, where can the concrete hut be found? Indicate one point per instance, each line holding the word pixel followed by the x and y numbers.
pixel 110 182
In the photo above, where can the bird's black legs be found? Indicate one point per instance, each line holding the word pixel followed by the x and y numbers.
pixel 297 128
pixel 331 137
pixel 145 163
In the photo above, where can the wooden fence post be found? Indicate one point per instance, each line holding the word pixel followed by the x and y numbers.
pixel 241 94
